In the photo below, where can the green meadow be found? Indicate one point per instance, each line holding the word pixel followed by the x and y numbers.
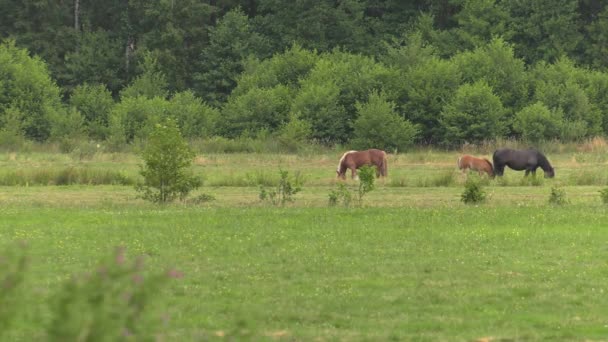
pixel 411 262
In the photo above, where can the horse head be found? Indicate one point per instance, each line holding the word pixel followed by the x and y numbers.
pixel 549 172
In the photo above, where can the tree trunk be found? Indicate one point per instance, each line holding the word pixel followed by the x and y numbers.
pixel 77 15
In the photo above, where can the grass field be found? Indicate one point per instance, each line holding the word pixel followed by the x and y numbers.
pixel 412 263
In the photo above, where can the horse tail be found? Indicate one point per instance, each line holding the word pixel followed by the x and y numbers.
pixel 458 163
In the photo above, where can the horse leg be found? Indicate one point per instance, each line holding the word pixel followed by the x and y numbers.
pixel 527 173
pixel 353 172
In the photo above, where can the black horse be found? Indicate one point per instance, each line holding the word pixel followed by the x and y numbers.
pixel 528 160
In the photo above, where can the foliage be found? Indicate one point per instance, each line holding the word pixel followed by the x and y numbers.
pixel 367 177
pixel 95 103
pixel 379 126
pixel 604 195
pixel 68 129
pixel 151 83
pixel 109 303
pixel 473 191
pixel 558 196
pixel 474 114
pixel 429 88
pixel 340 195
pixel 13 268
pixel 285 191
pixel 231 42
pixel 536 123
pixel 195 118
pixel 167 158
pixel 258 109
pixel 26 87
pixel 294 134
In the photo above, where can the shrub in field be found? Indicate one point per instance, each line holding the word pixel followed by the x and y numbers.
pixel 473 191
pixel 604 195
pixel 167 158
pixel 340 194
pixel 284 192
pixel 558 196
pixel 112 303
pixel 13 267
pixel 367 176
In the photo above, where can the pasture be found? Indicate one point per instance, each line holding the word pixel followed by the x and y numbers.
pixel 411 263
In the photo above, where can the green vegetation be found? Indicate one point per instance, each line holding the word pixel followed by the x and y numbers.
pixel 473 191
pixel 465 272
pixel 166 170
pixel 358 74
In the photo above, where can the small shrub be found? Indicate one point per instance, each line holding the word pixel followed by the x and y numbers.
pixel 473 191
pixel 367 176
pixel 112 303
pixel 13 267
pixel 284 192
pixel 558 196
pixel 340 195
pixel 604 195
pixel 202 198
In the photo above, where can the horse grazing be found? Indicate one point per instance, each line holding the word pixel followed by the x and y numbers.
pixel 519 160
pixel 355 159
pixel 480 165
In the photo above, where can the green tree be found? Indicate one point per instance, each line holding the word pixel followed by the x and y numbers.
pixel 429 87
pixel 26 87
pixel 258 109
pixel 474 114
pixel 167 158
pixel 95 102
pixel 195 118
pixel 232 41
pixel 536 122
pixel 543 29
pixel 150 83
pixel 562 86
pixel 379 126
pixel 495 62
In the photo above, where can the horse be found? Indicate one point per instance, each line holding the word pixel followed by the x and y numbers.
pixel 480 165
pixel 355 159
pixel 519 160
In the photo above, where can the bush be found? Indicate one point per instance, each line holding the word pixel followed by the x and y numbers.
pixel 604 195
pixel 473 191
pixel 26 86
pixel 340 194
pixel 536 123
pixel 110 303
pixel 13 267
pixel 379 126
pixel 95 103
pixel 475 114
pixel 166 160
pixel 367 176
pixel 284 192
pixel 294 134
pixel 558 196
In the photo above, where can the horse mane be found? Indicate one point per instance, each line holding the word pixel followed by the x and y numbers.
pixel 342 159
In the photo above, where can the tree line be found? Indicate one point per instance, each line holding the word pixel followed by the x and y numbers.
pixel 383 73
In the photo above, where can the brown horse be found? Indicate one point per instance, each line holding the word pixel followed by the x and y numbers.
pixel 480 165
pixel 355 159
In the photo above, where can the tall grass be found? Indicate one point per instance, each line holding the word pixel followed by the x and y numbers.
pixel 65 176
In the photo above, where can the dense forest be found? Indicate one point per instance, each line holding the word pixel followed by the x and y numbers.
pixel 383 73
